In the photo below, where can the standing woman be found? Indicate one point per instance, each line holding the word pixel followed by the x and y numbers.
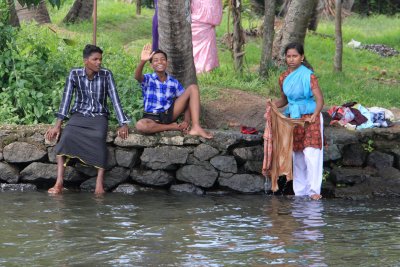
pixel 300 90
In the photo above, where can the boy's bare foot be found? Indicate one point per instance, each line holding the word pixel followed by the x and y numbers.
pixel 198 131
pixel 55 189
pixel 315 196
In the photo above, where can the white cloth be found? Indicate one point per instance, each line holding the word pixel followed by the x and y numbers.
pixel 308 169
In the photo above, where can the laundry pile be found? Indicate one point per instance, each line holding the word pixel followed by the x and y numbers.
pixel 354 116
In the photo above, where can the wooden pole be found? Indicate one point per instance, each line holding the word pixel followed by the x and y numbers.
pixel 94 21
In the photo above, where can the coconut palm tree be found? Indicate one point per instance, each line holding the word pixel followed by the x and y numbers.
pixel 175 38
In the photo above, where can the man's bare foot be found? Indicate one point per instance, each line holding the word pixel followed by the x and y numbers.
pixel 315 196
pixel 184 127
pixel 55 189
pixel 198 131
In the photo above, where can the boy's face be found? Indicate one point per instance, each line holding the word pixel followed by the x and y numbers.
pixel 159 62
pixel 93 62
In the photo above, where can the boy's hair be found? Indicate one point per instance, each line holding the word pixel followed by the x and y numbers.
pixel 90 49
pixel 159 51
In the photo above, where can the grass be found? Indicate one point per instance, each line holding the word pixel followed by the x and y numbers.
pixel 367 77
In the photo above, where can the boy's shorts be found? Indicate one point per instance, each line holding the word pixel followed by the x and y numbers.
pixel 164 117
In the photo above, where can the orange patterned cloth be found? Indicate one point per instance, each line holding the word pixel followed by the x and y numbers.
pixel 278 144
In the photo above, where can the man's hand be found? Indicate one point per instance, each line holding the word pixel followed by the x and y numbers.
pixel 147 54
pixel 123 131
pixel 52 133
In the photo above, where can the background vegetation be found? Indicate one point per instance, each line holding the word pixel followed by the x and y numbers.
pixel 34 61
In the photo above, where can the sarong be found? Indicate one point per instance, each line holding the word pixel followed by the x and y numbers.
pixel 84 138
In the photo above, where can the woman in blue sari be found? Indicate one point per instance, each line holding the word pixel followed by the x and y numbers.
pixel 301 92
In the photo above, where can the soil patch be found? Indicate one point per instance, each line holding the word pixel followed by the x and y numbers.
pixel 234 108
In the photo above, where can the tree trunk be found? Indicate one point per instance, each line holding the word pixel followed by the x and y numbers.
pixel 295 26
pixel 268 37
pixel 348 4
pixel 338 36
pixel 238 35
pixel 312 26
pixel 138 7
pixel 81 10
pixel 175 38
pixel 13 17
pixel 38 13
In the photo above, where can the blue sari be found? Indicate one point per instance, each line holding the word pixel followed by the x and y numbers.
pixel 297 88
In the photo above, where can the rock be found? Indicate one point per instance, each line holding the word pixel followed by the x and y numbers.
pixel 51 153
pixel 22 152
pixel 112 179
pixel 127 158
pixel 332 153
pixel 396 154
pixel 245 183
pixel 111 161
pixel 389 174
pixel 128 189
pixel 340 136
pixel 224 140
pixel 253 153
pixel 152 178
pixel 18 187
pixel 186 188
pixel 354 155
pixel 191 140
pixel 8 173
pixel 164 158
pixel 380 160
pixel 89 171
pixel 46 174
pixel 224 163
pixel 136 140
pixel 198 175
pixel 36 137
pixel 356 192
pixel 205 152
pixel 110 137
pixel 1 156
pixel 253 166
pixel 349 176
pixel 173 140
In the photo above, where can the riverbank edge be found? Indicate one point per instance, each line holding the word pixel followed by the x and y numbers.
pixel 357 164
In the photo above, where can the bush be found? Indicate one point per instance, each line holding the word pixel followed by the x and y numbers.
pixel 34 64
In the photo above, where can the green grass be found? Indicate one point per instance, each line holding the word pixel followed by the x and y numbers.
pixel 362 78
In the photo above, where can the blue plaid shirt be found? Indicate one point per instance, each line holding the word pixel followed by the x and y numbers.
pixel 158 96
pixel 90 95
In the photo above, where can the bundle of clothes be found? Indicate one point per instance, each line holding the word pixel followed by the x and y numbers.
pixel 354 116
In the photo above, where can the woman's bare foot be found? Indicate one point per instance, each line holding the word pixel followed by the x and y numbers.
pixel 56 189
pixel 99 191
pixel 315 196
pixel 198 131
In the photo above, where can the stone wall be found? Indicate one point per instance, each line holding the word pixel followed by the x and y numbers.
pixel 356 164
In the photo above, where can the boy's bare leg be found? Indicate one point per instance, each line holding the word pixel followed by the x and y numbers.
pixel 99 182
pixel 148 126
pixel 58 187
pixel 191 96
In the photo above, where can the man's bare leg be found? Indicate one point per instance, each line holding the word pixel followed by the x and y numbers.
pixel 148 126
pixel 99 182
pixel 191 96
pixel 58 187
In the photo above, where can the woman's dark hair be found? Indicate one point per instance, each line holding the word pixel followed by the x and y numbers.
pixel 300 49
pixel 90 49
pixel 159 51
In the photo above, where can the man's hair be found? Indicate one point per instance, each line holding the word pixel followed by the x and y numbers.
pixel 159 51
pixel 90 49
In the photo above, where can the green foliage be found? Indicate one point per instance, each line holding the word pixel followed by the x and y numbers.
pixel 29 3
pixel 369 146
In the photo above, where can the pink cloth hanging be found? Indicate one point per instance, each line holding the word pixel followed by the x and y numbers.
pixel 206 14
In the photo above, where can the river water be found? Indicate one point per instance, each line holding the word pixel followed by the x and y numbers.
pixel 163 229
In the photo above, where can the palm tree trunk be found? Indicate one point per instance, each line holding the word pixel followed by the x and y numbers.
pixel 175 38
pixel 81 10
pixel 238 35
pixel 268 37
pixel 13 19
pixel 295 26
pixel 38 13
pixel 338 36
pixel 138 7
